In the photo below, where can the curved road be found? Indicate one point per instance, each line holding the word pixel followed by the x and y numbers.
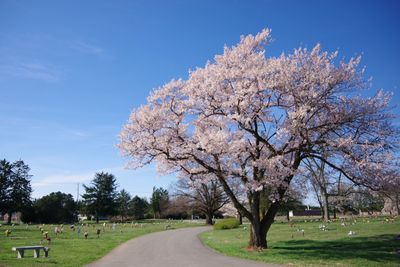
pixel 172 248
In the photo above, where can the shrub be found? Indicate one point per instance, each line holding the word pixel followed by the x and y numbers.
pixel 226 224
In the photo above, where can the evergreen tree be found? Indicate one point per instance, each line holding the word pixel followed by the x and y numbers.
pixel 100 198
pixel 123 200
pixel 138 207
pixel 5 174
pixel 159 201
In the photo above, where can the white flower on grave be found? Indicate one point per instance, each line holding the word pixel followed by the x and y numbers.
pixel 351 233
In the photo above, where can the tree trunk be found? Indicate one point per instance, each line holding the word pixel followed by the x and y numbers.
pixel 261 226
pixel 240 218
pixel 287 216
pixel 209 217
pixel 9 217
pixel 321 206
pixel 325 205
pixel 258 236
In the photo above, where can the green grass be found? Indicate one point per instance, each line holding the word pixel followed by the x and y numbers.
pixel 373 245
pixel 67 249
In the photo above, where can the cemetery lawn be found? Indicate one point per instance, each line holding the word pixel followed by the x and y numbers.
pixel 67 249
pixel 374 244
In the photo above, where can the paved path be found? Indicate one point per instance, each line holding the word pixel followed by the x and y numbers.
pixel 172 248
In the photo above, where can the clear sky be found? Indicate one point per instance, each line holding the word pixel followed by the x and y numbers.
pixel 72 71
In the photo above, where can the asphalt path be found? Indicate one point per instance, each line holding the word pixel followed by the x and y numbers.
pixel 171 248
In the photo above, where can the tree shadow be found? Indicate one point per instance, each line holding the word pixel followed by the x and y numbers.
pixel 380 249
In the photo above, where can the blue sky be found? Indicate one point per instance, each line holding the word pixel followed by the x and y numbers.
pixel 72 71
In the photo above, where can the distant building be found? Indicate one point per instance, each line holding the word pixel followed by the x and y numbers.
pixel 294 213
pixel 82 217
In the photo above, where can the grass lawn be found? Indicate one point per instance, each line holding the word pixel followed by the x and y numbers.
pixel 67 249
pixel 373 245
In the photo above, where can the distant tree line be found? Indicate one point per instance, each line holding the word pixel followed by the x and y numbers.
pixel 101 199
pixel 56 207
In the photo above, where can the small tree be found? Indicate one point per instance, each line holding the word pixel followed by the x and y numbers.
pixel 207 197
pixel 138 207
pixel 179 207
pixel 159 201
pixel 328 185
pixel 100 197
pixel 123 200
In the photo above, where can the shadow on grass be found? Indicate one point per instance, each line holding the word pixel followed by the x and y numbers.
pixel 380 249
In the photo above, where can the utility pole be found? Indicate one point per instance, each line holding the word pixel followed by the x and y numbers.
pixel 77 193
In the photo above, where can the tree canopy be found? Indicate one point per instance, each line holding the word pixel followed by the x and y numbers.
pixel 57 207
pixel 255 119
pixel 15 187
